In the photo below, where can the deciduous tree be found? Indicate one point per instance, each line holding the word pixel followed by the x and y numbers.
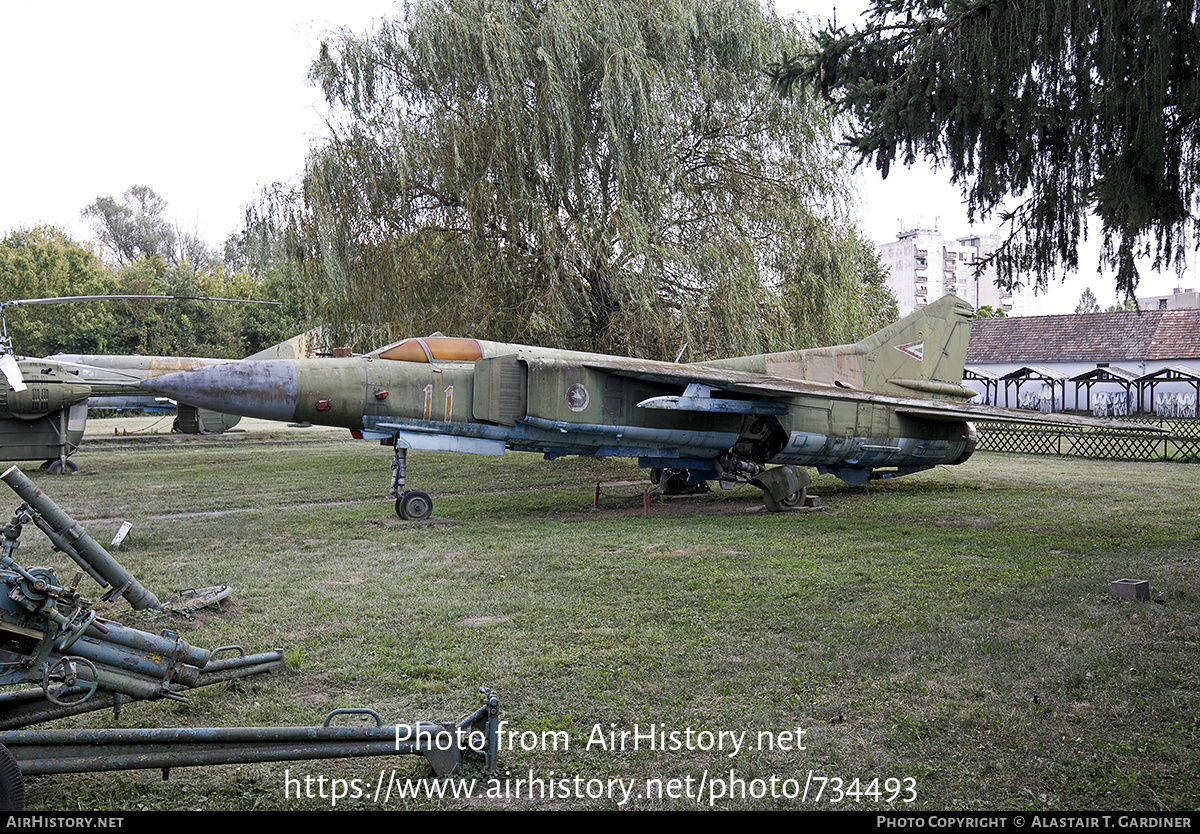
pixel 134 228
pixel 610 176
pixel 43 262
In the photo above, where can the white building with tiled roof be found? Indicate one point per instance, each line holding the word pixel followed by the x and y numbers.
pixel 1155 355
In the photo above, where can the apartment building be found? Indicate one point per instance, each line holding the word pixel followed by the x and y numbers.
pixel 1180 299
pixel 923 266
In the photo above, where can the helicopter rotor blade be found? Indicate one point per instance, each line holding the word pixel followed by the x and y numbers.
pixel 68 299
pixel 12 372
pixel 90 373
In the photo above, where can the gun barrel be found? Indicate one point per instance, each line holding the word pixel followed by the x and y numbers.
pixel 70 537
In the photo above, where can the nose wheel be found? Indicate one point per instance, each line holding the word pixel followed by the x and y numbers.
pixel 411 504
pixel 414 505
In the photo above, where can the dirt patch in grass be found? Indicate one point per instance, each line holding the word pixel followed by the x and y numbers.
pixel 476 622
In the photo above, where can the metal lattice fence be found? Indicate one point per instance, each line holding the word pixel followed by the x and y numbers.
pixel 1180 444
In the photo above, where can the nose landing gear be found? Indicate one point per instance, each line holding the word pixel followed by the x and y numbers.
pixel 411 504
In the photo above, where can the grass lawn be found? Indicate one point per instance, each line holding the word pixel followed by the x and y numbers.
pixel 952 631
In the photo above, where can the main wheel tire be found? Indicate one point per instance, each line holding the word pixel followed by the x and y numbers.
pixel 414 505
pixel 795 499
pixel 675 482
pixel 56 467
pixel 12 784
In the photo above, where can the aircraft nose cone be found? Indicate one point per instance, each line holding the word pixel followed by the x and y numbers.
pixel 251 389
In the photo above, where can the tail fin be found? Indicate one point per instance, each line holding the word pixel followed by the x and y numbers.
pixel 301 346
pixel 922 355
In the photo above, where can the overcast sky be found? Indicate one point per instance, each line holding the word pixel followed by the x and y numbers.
pixel 207 102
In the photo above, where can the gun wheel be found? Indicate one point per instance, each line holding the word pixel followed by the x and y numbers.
pixel 414 505
pixel 12 784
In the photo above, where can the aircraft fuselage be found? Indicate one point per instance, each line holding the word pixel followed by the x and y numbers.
pixel 483 397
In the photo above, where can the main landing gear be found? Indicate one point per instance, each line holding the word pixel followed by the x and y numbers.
pixel 783 487
pixel 411 504
pixel 676 482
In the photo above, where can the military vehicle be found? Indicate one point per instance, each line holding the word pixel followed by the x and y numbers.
pixel 890 405
pixel 43 408
pixel 68 660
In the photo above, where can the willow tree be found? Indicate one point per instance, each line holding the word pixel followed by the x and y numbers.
pixel 609 176
pixel 1069 107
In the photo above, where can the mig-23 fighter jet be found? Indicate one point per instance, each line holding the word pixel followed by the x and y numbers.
pixel 890 405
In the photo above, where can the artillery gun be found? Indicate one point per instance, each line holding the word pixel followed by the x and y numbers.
pixel 72 661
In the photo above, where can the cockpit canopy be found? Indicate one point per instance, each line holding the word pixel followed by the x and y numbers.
pixel 433 349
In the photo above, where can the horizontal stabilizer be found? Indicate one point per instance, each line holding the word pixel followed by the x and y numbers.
pixel 990 414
